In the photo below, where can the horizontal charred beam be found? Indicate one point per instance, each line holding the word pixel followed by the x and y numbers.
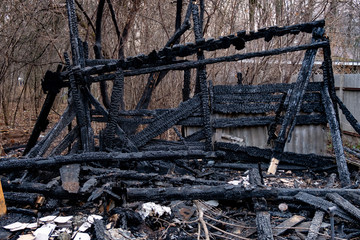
pixel 254 154
pixel 266 88
pixel 238 40
pixel 182 65
pixel 262 98
pixel 40 162
pixel 222 192
pixel 263 107
pixel 266 120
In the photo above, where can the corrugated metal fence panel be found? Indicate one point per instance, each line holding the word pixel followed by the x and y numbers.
pixel 305 139
pixel 308 139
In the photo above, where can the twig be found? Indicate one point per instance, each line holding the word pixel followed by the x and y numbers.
pixel 201 220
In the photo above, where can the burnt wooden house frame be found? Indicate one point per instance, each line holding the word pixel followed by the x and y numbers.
pixel 119 140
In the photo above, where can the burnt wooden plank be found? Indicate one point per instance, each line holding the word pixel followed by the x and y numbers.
pixel 344 204
pixel 40 148
pixel 351 119
pixel 343 170
pixel 182 65
pixel 295 102
pixel 165 121
pixel 235 152
pixel 288 223
pixel 261 121
pixel 39 162
pixel 212 45
pixel 262 107
pixel 263 225
pixel 321 204
pixel 315 225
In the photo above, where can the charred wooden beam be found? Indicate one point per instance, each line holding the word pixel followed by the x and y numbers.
pixel 38 162
pixel 295 102
pixel 41 122
pixel 116 99
pixel 321 204
pixel 41 188
pixel 260 89
pixel 41 147
pixel 251 154
pixel 315 225
pixel 223 192
pixel 343 170
pixel 224 42
pixel 263 223
pixel 165 121
pixel 344 204
pixel 148 177
pixel 352 151
pixel 66 142
pixel 182 65
pixel 264 121
pixel 24 198
pixel 74 34
pixel 81 111
pixel 351 119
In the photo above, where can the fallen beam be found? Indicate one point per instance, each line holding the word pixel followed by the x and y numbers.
pixel 315 225
pixel 40 162
pixel 344 204
pixel 321 204
pixel 223 192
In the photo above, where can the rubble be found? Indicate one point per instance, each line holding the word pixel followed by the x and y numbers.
pixel 125 183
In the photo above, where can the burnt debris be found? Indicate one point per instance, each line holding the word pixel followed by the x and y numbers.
pixel 126 163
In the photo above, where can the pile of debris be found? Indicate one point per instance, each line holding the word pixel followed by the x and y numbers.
pixel 123 183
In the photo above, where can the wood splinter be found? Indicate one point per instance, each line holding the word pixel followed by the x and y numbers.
pixel 273 166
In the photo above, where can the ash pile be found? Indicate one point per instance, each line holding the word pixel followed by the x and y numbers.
pixel 125 183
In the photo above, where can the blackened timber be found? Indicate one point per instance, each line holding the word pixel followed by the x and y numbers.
pixel 351 119
pixel 67 141
pixel 39 162
pixel 344 204
pixel 116 99
pixel 321 204
pixel 263 107
pixel 263 225
pixel 328 75
pixel 251 154
pixel 295 100
pixel 41 122
pixel 182 65
pixel 266 88
pixel 31 187
pixel 351 151
pixel 264 121
pixel 315 225
pixel 223 192
pixel 74 34
pixel 148 177
pixel 262 98
pixel 223 42
pixel 119 131
pixel 196 136
pixel 40 148
pixel 343 170
pixel 81 118
pixel 24 198
pixel 165 121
